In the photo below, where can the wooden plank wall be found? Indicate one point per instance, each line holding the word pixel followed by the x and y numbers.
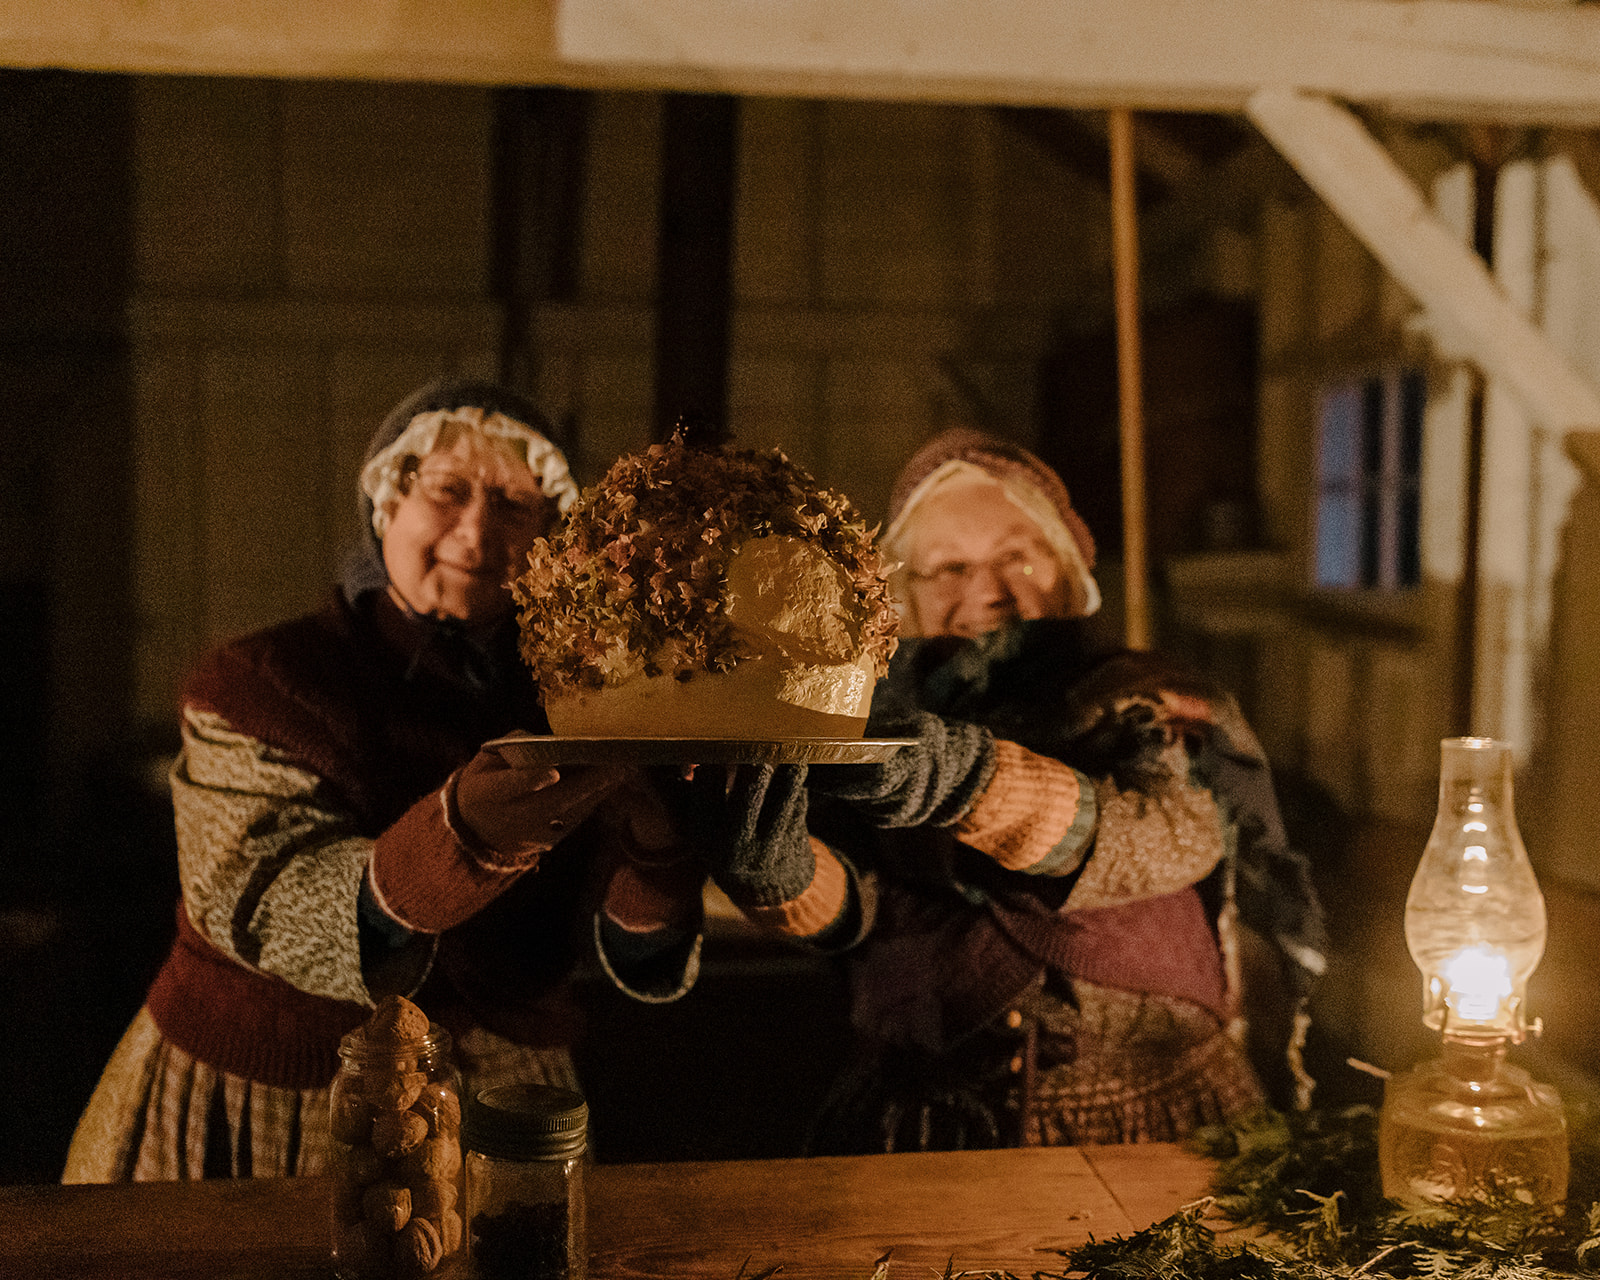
pixel 307 252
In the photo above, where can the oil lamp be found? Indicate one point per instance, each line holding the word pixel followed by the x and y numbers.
pixel 1468 1125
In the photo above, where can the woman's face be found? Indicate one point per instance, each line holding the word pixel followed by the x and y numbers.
pixel 976 561
pixel 463 530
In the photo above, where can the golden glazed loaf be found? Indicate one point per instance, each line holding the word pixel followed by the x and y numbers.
pixel 707 594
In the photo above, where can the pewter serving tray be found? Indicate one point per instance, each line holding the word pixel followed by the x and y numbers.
pixel 528 750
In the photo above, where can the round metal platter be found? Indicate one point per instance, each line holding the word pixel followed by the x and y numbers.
pixel 529 750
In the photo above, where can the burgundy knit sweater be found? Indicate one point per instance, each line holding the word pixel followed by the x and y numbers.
pixel 381 709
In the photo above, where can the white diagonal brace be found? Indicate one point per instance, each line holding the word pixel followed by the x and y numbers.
pixel 1384 209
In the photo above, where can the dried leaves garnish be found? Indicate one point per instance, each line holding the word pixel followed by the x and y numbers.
pixel 632 581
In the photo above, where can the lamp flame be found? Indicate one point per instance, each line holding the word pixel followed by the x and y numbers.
pixel 1476 979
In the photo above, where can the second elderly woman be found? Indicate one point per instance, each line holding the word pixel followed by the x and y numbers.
pixel 1069 861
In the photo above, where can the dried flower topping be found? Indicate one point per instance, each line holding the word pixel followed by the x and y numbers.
pixel 632 582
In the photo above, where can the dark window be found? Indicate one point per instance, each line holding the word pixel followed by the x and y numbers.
pixel 1369 463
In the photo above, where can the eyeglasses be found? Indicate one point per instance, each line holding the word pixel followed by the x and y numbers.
pixel 1031 568
pixel 451 492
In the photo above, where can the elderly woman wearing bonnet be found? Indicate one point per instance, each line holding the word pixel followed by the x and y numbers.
pixel 1068 863
pixel 342 835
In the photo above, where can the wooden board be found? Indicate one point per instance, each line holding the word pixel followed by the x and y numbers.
pixel 1430 58
pixel 820 1219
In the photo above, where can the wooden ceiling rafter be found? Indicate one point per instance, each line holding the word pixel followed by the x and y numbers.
pixel 1424 59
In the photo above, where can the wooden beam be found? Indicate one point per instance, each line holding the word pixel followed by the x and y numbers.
pixel 1425 58
pixel 1444 59
pixel 1383 208
pixel 492 42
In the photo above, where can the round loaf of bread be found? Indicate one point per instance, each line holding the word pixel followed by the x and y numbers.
pixel 699 593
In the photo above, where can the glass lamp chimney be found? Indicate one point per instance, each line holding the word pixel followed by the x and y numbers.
pixel 1475 920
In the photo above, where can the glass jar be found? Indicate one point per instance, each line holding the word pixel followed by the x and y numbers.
pixel 527 1148
pixel 397 1179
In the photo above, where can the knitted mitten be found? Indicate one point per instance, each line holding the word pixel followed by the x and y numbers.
pixel 749 824
pixel 651 879
pixel 438 866
pixel 933 781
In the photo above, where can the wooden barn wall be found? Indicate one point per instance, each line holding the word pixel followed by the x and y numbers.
pixel 1350 689
pixel 1353 690
pixel 308 252
pixel 305 254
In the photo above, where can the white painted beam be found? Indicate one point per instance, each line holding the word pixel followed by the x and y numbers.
pixel 1436 58
pixel 1446 59
pixel 1375 199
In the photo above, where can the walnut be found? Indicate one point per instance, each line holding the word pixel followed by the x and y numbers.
pixel 448 1224
pixel 417 1249
pixel 436 1160
pixel 394 1133
pixel 442 1109
pixel 395 1090
pixel 387 1206
pixel 433 1197
pixel 395 1021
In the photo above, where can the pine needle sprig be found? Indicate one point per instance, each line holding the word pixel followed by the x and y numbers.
pixel 1180 1247
pixel 1307 1178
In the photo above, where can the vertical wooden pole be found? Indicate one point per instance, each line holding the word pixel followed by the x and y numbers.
pixel 1125 266
pixel 1485 148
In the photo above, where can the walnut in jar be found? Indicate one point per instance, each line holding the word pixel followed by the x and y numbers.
pixel 395 1121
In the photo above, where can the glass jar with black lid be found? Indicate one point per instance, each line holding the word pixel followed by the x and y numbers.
pixel 526 1155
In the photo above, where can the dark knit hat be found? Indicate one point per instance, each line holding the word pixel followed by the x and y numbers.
pixel 1002 460
pixel 364 569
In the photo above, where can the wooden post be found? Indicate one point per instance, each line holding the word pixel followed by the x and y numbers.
pixel 1486 163
pixel 1130 391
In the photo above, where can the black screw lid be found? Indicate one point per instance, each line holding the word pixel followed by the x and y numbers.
pixel 526 1122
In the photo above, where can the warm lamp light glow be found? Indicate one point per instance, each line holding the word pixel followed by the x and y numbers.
pixel 1477 981
pixel 1475 921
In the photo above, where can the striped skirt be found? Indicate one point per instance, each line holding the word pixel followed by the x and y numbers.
pixel 1068 1063
pixel 158 1115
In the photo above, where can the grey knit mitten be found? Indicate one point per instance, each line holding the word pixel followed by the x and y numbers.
pixel 749 824
pixel 933 781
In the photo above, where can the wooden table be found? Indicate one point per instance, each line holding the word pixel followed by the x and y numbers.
pixel 821 1219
